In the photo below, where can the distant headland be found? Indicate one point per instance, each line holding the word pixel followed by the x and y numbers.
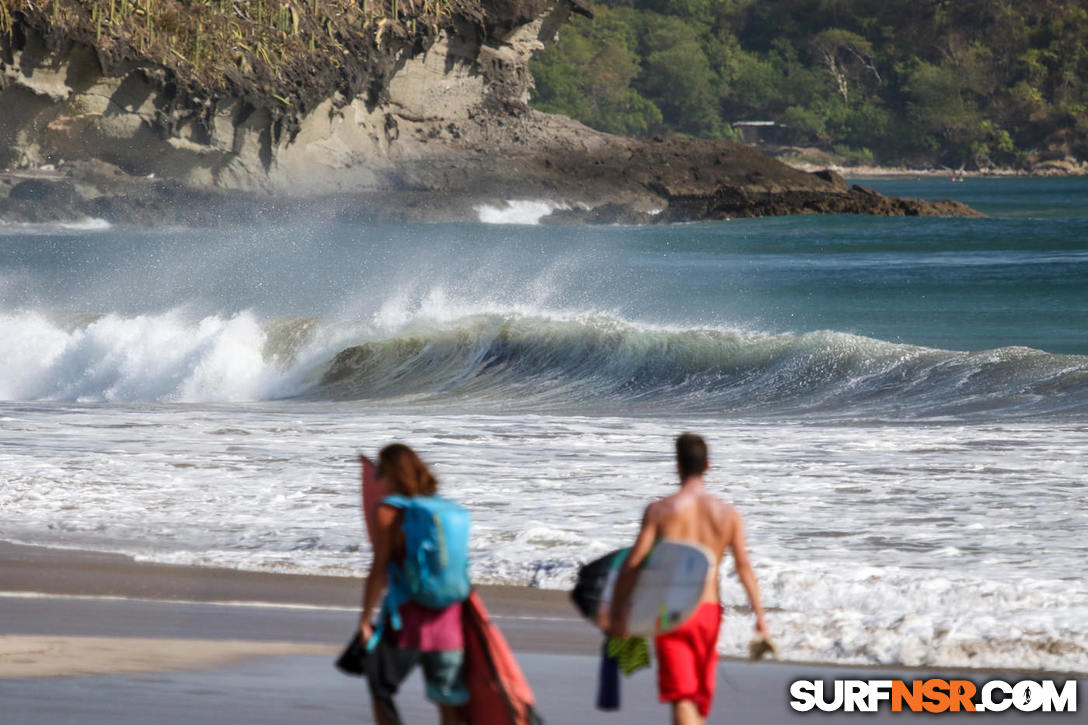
pixel 156 111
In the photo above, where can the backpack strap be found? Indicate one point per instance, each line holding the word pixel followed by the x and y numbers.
pixel 379 631
pixel 396 591
pixel 396 500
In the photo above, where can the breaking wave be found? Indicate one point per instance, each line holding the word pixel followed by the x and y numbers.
pixel 510 361
pixel 517 211
pixel 88 224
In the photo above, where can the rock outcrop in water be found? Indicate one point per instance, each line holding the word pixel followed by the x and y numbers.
pixel 413 122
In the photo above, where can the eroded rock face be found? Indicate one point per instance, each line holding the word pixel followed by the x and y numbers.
pixel 56 107
pixel 447 129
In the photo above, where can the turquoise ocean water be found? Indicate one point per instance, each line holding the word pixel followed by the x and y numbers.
pixel 897 405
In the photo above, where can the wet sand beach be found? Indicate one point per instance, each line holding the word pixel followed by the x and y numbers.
pixel 98 638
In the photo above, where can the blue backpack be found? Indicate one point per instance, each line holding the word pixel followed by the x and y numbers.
pixel 435 568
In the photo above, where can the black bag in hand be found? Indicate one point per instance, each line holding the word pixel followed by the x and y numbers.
pixel 352 660
pixel 379 666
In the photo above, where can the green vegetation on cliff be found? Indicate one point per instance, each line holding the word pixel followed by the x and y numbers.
pixel 286 56
pixel 957 82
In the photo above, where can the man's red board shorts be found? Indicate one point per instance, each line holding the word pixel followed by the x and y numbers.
pixel 687 658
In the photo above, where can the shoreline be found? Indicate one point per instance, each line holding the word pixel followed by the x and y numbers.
pixel 84 573
pixel 540 620
pixel 897 172
pixel 179 655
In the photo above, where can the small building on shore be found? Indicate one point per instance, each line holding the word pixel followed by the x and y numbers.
pixel 763 132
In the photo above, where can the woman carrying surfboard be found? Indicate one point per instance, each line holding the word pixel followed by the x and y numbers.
pixel 430 615
pixel 687 654
pixel 426 574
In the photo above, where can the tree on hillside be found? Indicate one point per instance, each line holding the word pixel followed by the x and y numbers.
pixel 588 76
pixel 676 71
pixel 933 81
pixel 842 53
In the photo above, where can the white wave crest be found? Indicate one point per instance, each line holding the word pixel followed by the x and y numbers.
pixel 148 357
pixel 88 224
pixel 517 211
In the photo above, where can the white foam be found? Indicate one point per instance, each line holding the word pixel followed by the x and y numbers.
pixel 518 211
pixel 88 225
pixel 147 357
pixel 852 528
pixel 887 615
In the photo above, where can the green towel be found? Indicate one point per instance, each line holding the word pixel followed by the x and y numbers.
pixel 632 653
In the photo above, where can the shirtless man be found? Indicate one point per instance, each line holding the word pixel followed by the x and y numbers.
pixel 688 656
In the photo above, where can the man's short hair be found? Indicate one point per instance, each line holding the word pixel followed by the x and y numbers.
pixel 690 455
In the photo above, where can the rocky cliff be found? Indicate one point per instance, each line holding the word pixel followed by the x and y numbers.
pixel 418 114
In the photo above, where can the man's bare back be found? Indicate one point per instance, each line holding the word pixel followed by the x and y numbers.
pixel 693 514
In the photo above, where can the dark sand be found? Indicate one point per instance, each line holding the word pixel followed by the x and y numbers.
pixel 182 645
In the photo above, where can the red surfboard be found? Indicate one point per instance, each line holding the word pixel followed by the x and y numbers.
pixel 373 490
pixel 499 694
